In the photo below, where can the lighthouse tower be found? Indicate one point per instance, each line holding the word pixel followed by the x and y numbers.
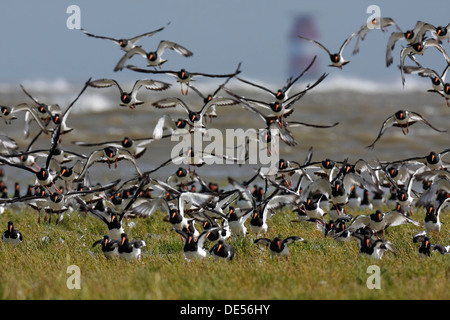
pixel 301 52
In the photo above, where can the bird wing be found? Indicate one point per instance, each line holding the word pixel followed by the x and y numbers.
pixel 171 103
pixel 394 37
pixel 150 84
pixel 293 239
pixel 359 222
pixel 435 44
pixel 414 116
pixel 389 122
pixel 32 111
pixel 105 83
pixel 93 157
pixel 277 202
pixel 441 206
pixel 147 34
pixel 317 43
pixel 125 154
pixel 263 241
pixel 394 218
pixel 99 37
pixel 128 55
pixel 165 122
pixel 321 185
pixel 347 41
pixel 164 44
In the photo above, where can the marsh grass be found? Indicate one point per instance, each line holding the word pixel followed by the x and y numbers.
pixel 320 269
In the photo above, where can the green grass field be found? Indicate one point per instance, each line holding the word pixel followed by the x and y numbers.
pixel 320 269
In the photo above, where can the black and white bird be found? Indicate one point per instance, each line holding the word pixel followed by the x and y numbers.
pixel 381 23
pixel 136 146
pixel 431 161
pixel 380 221
pixel 126 44
pixel 432 221
pixel 278 109
pixel 130 250
pixel 438 81
pixel 282 94
pixel 371 247
pixel 8 113
pixel 110 155
pixel 194 118
pixel 129 99
pixel 154 58
pixel 109 247
pixel 11 235
pixel 402 119
pixel 419 48
pixel 45 175
pixel 193 247
pixel 411 36
pixel 337 59
pixel 426 247
pixel 440 33
pixel 278 247
pixel 183 76
pixel 45 112
pixel 222 250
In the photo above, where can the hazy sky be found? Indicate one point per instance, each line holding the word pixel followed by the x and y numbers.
pixel 36 43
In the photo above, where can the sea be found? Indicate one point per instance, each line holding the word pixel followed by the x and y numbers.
pixel 359 106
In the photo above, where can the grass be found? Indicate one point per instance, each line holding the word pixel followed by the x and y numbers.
pixel 320 269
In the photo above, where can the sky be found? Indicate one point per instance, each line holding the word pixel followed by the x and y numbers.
pixel 38 45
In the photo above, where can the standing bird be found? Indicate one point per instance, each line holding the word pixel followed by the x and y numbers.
pixel 432 220
pixel 277 246
pixel 11 235
pixel 402 119
pixel 129 99
pixel 337 60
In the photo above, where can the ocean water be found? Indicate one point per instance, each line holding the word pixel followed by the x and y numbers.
pixel 359 106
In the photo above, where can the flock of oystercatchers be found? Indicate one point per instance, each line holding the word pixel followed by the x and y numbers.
pixel 318 191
